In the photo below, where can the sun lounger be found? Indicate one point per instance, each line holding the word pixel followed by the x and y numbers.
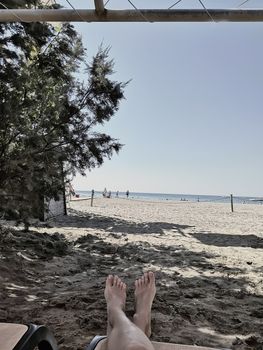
pixel 99 343
pixel 29 337
pixel 25 337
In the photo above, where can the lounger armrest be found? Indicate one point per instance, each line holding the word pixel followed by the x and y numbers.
pixel 37 336
pixel 94 342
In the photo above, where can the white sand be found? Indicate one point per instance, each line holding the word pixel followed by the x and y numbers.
pixel 196 226
pixel 208 263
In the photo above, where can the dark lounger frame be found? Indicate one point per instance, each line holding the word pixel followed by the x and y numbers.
pixel 37 336
pixel 94 342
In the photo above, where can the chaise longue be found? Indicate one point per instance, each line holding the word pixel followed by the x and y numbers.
pixel 29 337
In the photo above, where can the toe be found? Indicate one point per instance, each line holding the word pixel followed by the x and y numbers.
pixel 146 278
pixel 119 282
pixel 109 281
pixel 151 277
pixel 115 280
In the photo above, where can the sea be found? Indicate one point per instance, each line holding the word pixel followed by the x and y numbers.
pixel 176 197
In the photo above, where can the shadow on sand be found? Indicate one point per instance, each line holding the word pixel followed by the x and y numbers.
pixel 226 240
pixel 116 225
pixel 208 307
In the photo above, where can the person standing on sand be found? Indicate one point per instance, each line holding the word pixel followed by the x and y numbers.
pixel 127 193
pixel 121 332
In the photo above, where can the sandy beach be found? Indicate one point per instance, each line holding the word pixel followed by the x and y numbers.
pixel 208 264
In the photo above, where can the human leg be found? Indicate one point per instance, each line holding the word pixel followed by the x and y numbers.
pixel 144 294
pixel 122 334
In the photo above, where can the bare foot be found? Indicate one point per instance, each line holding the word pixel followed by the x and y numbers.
pixel 144 294
pixel 115 295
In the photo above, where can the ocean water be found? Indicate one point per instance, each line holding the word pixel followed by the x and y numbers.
pixel 176 197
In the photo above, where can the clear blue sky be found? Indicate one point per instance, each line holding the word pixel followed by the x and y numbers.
pixel 192 119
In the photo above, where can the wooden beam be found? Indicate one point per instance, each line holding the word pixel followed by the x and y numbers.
pixel 229 15
pixel 99 6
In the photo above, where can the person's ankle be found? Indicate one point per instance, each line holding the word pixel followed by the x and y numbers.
pixel 114 308
pixel 141 313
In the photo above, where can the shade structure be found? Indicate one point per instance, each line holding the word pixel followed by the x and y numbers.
pixel 100 14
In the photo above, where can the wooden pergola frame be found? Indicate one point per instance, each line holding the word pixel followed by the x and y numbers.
pixel 101 14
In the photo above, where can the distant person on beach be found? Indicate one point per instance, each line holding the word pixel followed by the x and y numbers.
pixel 117 194
pixel 109 194
pixel 121 332
pixel 127 193
pixel 104 193
pixel 71 190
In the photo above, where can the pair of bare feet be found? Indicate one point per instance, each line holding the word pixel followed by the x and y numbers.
pixel 115 295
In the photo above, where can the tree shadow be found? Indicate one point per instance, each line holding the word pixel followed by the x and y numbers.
pixel 198 301
pixel 208 311
pixel 172 256
pixel 204 309
pixel 228 240
pixel 116 225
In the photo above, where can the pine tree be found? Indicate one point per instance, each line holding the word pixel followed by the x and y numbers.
pixel 48 117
